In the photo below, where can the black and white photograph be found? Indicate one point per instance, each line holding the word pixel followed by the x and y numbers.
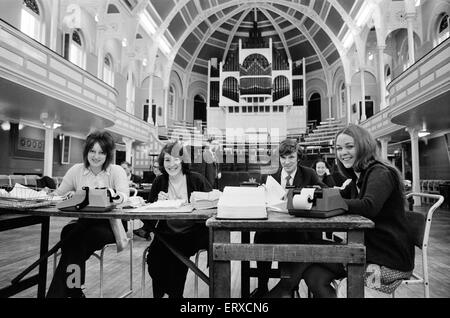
pixel 225 154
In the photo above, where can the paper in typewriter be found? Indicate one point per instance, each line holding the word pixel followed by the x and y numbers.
pixel 274 195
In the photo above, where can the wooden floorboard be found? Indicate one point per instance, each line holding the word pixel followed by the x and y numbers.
pixel 20 247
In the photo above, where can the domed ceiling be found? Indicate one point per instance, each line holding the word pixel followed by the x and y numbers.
pixel 198 30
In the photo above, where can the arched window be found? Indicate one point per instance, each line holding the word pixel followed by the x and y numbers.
pixel 342 99
pixel 171 102
pixel 443 29
pixel 108 70
pixel 76 51
pixel 131 94
pixel 30 20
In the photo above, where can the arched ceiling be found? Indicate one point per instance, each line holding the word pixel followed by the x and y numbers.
pixel 199 30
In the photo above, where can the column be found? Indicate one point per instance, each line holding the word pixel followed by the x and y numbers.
pixel 54 24
pixel 130 106
pixel 348 101
pixel 150 100
pixel 410 19
pixel 384 147
pixel 415 163
pixel 330 115
pixel 166 105
pixel 362 116
pixel 128 148
pixel 403 163
pixel 381 76
pixel 48 152
pixel 184 108
pixel 100 52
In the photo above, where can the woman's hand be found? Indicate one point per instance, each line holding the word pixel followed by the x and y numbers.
pixel 163 195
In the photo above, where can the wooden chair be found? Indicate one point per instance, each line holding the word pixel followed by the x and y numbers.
pixel 100 255
pixel 420 225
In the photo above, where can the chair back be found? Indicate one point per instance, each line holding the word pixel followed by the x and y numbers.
pixel 420 224
pixel 416 223
pixel 17 179
pixel 4 181
pixel 32 180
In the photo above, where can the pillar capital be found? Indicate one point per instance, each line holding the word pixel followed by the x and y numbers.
pixel 127 140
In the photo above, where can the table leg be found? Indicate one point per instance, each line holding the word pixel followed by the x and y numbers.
pixel 355 272
pixel 245 269
pixel 219 271
pixel 42 280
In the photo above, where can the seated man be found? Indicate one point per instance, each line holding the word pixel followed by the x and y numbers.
pixel 134 181
pixel 290 173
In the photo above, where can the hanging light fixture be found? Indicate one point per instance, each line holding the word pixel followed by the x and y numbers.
pixel 423 132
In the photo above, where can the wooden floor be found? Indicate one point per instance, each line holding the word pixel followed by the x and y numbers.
pixel 19 248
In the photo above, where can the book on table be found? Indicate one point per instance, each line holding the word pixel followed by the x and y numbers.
pixel 177 205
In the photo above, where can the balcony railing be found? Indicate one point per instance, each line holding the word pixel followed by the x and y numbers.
pixel 130 126
pixel 33 65
pixel 426 78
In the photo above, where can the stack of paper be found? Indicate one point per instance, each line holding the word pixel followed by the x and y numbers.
pixel 205 200
pixel 22 192
pixel 242 203
pixel 274 195
pixel 166 204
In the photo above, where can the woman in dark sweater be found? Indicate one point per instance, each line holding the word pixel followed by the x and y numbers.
pixel 168 273
pixel 376 192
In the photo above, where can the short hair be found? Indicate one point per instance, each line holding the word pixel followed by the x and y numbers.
pixel 105 141
pixel 320 160
pixel 289 146
pixel 175 149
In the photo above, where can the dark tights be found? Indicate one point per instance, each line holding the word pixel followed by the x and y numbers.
pixel 318 278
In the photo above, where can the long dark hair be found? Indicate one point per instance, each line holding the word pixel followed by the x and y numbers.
pixel 105 141
pixel 366 154
pixel 175 149
pixel 320 160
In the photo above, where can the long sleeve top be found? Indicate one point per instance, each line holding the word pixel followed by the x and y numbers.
pixel 304 177
pixel 194 182
pixel 379 199
pixel 78 176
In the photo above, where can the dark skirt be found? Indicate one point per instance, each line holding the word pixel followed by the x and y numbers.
pixel 168 273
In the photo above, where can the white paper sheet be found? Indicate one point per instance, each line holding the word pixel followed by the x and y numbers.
pixel 274 191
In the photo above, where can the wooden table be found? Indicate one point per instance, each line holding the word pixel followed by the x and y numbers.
pixel 42 215
pixel 15 221
pixel 221 251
